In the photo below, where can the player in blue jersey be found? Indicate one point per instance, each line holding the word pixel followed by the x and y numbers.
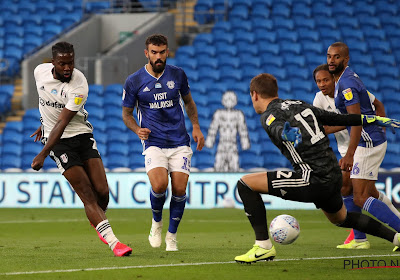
pixel 367 145
pixel 157 90
pixel 324 99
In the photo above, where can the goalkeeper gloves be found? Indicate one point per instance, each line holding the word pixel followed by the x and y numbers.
pixel 381 121
pixel 291 134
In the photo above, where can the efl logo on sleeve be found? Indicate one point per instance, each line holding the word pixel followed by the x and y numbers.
pixel 270 119
pixel 78 99
pixel 348 94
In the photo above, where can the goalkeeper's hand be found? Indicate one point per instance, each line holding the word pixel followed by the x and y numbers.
pixel 291 134
pixel 381 121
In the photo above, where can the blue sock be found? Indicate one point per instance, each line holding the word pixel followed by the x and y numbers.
pixel 157 203
pixel 382 212
pixel 176 208
pixel 351 207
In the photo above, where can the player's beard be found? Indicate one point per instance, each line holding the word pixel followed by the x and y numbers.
pixel 62 78
pixel 158 69
pixel 338 69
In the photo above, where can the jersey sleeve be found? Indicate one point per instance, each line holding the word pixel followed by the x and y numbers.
pixel 334 119
pixel 350 92
pixel 76 98
pixel 185 89
pixel 129 95
pixel 317 101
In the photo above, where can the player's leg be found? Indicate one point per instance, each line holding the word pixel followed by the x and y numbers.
pixel 356 239
pixel 156 163
pixel 179 161
pixel 249 188
pixel 79 180
pixel 363 223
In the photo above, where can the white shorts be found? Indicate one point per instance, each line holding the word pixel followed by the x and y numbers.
pixel 174 159
pixel 367 162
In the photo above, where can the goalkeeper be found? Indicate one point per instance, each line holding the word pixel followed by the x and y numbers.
pixel 296 128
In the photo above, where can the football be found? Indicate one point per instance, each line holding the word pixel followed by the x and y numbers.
pixel 284 229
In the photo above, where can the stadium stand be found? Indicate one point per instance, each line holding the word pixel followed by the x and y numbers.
pixel 288 39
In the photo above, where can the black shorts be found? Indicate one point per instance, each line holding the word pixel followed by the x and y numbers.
pixel 289 185
pixel 74 151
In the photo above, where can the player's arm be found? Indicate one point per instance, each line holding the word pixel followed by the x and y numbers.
pixel 379 108
pixel 332 129
pixel 63 120
pixel 130 122
pixel 191 111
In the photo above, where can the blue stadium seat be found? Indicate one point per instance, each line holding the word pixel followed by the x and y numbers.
pixel 204 160
pixel 296 71
pixel 231 75
pixel 376 44
pixel 364 10
pixel 244 36
pixel 10 161
pixel 209 75
pixel 31 42
pixel 289 36
pixel 314 47
pixel 229 61
pixel 290 48
pixel 306 35
pixel 325 22
pixel 136 162
pixel 262 24
pixel 359 56
pixel 225 48
pixel 185 52
pixel 115 123
pixel 355 44
pixel 351 33
pixel 113 90
pixel 115 161
pixel 15 126
pixel 51 31
pixel 260 13
pixel 206 38
pixel 366 72
pixel 280 10
pixel 250 60
pixel 278 72
pixel 301 9
pixel 96 90
pixel 34 30
pixel 294 59
pixel 70 19
pixel 117 148
pixel 95 101
pixel 369 22
pixel 193 75
pixel 301 22
pixel 31 114
pixel 17 32
pixel 205 61
pixel 95 7
pixel 374 33
pixel 268 49
pixel 238 13
pixel 265 36
pixel 348 21
pixel 119 137
pixel 272 60
pixel 249 160
pixel 210 51
pixel 45 7
pixel 227 38
pixel 187 63
pixel 11 148
pixel 202 11
pixel 283 23
pixel 32 149
pixel 321 9
pixel 222 26
pixel 242 25
pixel 274 161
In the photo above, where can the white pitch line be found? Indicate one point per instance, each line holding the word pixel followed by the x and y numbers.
pixel 182 264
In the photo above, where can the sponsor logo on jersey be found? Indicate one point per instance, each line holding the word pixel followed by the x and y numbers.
pixel 348 94
pixel 146 89
pixel 56 104
pixel 157 85
pixel 53 91
pixel 64 158
pixel 78 99
pixel 170 84
pixel 269 120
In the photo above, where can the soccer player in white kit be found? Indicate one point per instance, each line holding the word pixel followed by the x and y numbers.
pixel 324 99
pixel 157 90
pixel 68 139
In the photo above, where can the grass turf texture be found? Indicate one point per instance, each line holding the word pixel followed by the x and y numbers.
pixel 61 242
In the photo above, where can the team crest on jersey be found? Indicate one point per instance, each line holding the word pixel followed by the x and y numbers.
pixel 170 84
pixel 64 158
pixel 157 85
pixel 63 94
pixel 53 91
pixel 269 120
pixel 348 94
pixel 78 99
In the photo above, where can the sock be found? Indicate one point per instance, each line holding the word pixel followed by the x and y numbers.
pixel 386 200
pixel 176 208
pixel 106 231
pixel 254 209
pixel 368 225
pixel 382 212
pixel 265 244
pixel 351 207
pixel 157 204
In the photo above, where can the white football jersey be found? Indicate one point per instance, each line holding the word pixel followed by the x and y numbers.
pixel 328 103
pixel 55 95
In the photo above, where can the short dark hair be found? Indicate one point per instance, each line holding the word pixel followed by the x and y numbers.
pixel 264 84
pixel 343 46
pixel 62 47
pixel 322 67
pixel 157 40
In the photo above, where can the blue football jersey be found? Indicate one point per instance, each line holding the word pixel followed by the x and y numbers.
pixel 351 90
pixel 159 105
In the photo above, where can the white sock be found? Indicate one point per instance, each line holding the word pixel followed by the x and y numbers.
pixel 396 240
pixel 265 244
pixel 106 231
pixel 386 200
pixel 170 235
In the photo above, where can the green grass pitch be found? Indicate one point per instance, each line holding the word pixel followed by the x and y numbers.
pixel 60 244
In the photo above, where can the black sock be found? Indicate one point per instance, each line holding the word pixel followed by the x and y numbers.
pixel 255 210
pixel 368 225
